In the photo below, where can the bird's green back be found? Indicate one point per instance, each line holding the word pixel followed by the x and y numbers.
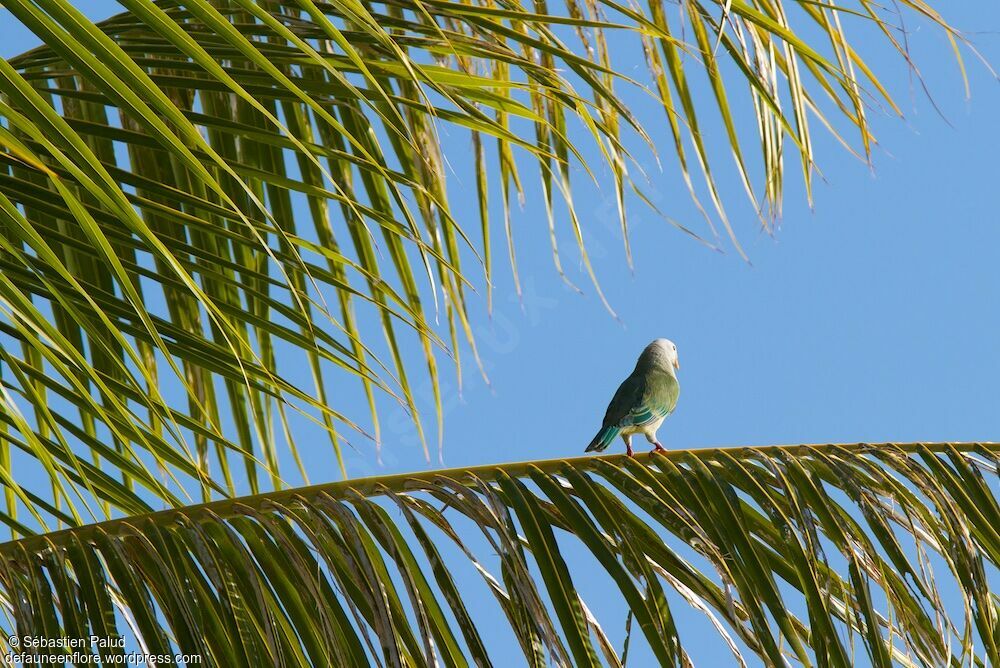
pixel 646 394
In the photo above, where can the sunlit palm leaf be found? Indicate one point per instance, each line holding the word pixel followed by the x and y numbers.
pixel 833 555
pixel 198 197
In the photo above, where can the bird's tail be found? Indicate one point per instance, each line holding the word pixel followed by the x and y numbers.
pixel 604 438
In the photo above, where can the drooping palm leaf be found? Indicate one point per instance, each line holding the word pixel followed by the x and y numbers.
pixel 828 555
pixel 197 197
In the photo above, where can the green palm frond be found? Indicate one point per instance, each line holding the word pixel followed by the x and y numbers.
pixel 197 198
pixel 832 555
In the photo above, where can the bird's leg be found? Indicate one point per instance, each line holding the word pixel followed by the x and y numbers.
pixel 628 450
pixel 651 437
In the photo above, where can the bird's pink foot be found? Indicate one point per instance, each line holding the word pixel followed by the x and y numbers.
pixel 658 448
pixel 628 451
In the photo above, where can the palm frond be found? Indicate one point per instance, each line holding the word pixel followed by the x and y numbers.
pixel 198 197
pixel 831 555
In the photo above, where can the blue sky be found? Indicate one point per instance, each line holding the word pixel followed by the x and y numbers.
pixel 873 317
pixel 868 318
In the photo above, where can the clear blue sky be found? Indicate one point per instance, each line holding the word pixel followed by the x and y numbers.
pixel 875 317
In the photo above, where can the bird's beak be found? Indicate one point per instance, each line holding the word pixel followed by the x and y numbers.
pixel 677 363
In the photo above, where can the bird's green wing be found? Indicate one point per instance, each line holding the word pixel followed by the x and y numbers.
pixel 640 400
pixel 628 397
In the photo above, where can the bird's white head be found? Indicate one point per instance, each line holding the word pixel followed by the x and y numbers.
pixel 660 353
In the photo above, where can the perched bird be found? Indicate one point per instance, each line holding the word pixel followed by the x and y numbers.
pixel 643 400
